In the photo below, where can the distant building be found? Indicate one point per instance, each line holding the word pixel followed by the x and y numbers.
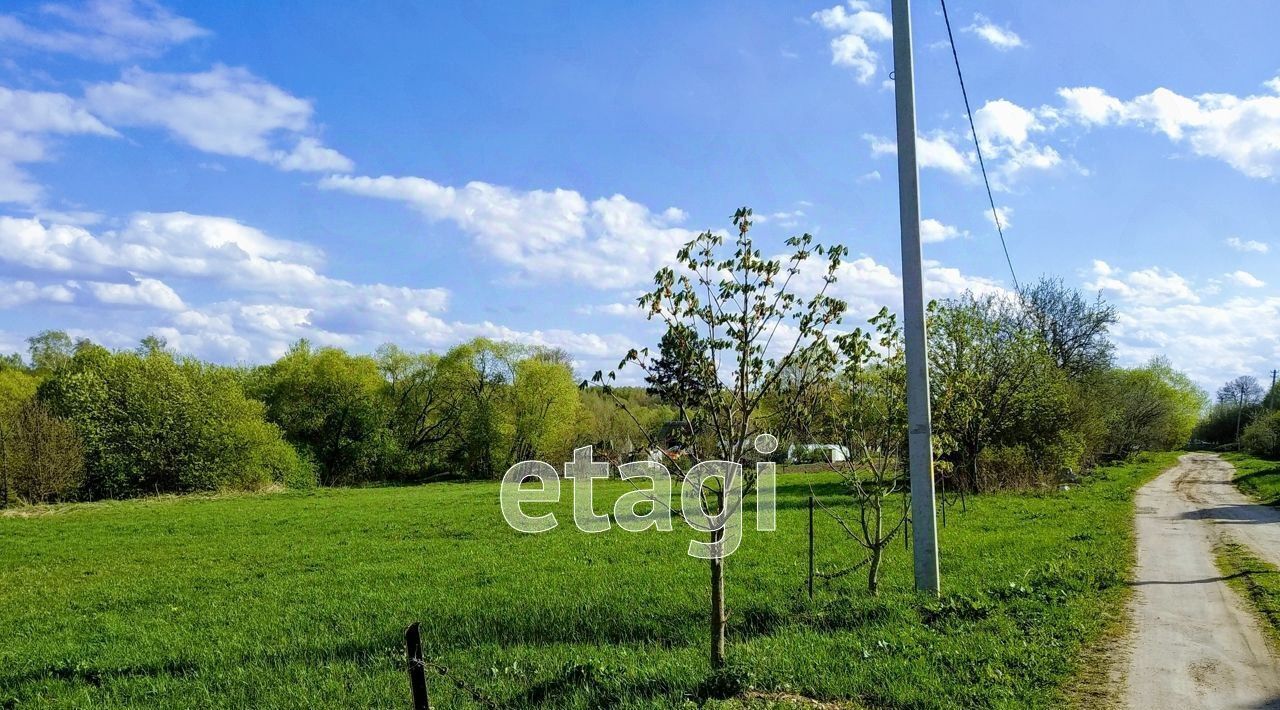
pixel 817 452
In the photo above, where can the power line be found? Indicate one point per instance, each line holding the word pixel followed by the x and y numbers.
pixel 995 213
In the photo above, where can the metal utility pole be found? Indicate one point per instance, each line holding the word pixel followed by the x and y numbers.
pixel 919 427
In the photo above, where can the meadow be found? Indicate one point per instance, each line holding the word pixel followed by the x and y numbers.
pixel 294 599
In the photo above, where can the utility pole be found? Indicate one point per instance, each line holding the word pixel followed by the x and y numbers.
pixel 919 427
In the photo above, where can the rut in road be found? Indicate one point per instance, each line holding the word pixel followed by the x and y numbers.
pixel 1195 643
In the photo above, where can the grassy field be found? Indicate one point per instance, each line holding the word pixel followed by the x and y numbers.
pixel 300 599
pixel 1257 477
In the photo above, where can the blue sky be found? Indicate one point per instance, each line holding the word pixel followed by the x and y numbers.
pixel 234 176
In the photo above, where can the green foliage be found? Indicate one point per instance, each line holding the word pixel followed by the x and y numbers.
pixel 617 423
pixel 1257 476
pixel 544 402
pixel 330 405
pixel 50 350
pixel 151 423
pixel 40 456
pixel 1148 408
pixel 1262 436
pixel 16 387
pixel 995 384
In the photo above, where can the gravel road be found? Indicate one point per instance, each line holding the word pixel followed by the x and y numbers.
pixel 1196 644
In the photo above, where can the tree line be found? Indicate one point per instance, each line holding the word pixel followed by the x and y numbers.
pixel 81 422
pixel 1245 416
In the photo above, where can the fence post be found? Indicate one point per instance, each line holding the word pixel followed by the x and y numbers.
pixel 810 547
pixel 417 671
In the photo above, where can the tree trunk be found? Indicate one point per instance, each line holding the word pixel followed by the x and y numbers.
pixel 877 551
pixel 717 606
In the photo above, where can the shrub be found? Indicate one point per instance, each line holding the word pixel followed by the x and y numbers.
pixel 1262 437
pixel 151 423
pixel 42 459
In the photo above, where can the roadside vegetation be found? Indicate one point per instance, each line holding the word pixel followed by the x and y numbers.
pixel 300 598
pixel 1258 477
pixel 1255 580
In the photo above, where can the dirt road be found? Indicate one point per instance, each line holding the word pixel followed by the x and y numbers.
pixel 1196 645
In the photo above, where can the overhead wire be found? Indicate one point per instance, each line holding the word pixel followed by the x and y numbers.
pixel 995 213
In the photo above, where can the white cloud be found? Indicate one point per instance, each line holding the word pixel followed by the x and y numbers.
pixel 936 151
pixel 20 293
pixel 1243 131
pixel 873 176
pixel 179 246
pixel 1091 105
pixel 1002 38
pixel 855 28
pixel 224 111
pixel 1162 314
pixel 274 291
pixel 1005 130
pixel 1147 287
pixel 1003 214
pixel 26 119
pixel 1244 278
pixel 144 293
pixel 604 243
pixel 674 215
pixel 105 30
pixel 931 231
pixel 1247 246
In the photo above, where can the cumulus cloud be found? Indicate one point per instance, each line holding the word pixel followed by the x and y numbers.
pixel 856 27
pixel 224 111
pixel 103 30
pixel 609 242
pixel 1002 38
pixel 144 293
pixel 21 293
pixel 1147 287
pixel 1242 131
pixel 931 231
pixel 1162 314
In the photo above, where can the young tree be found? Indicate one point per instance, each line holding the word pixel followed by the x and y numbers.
pixel 870 423
pixel 544 408
pixel 752 326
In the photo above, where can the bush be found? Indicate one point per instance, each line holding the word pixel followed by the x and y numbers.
pixel 150 423
pixel 43 460
pixel 1262 437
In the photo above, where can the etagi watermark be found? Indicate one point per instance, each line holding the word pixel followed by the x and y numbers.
pixel 644 508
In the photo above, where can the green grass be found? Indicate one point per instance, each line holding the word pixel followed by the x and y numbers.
pixel 1255 580
pixel 1257 477
pixel 300 599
